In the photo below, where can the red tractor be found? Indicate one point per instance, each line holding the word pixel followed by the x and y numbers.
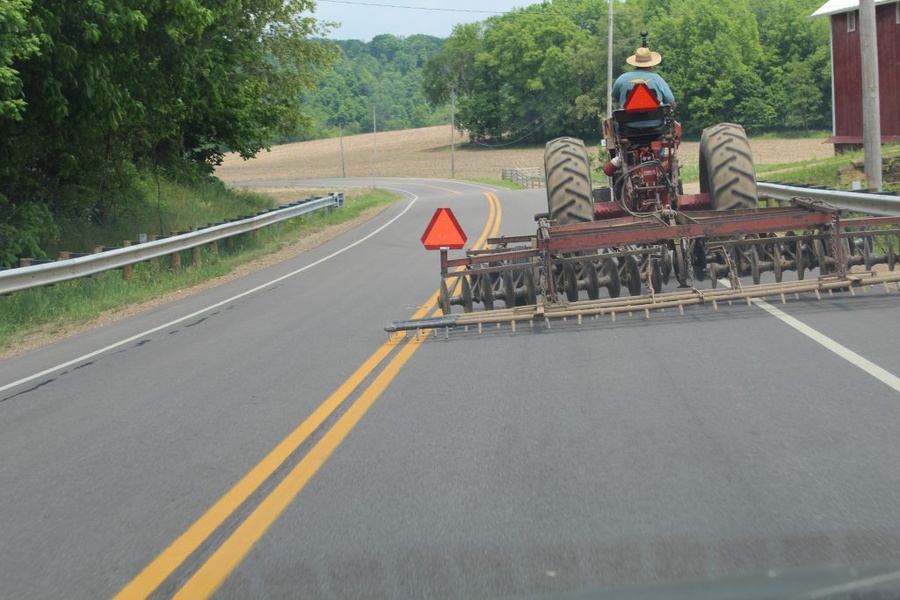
pixel 645 182
pixel 641 227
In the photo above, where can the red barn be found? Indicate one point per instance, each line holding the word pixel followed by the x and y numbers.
pixel 846 72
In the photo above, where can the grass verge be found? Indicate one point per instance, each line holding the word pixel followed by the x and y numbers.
pixel 50 310
pixel 502 183
pixel 833 172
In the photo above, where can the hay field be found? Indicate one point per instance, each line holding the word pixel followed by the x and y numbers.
pixel 426 153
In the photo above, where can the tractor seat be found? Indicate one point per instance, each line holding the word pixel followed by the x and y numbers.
pixel 649 123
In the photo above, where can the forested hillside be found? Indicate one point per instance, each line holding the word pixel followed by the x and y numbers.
pixel 540 71
pixel 385 74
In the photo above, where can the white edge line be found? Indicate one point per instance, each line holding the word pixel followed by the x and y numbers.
pixel 197 313
pixel 851 586
pixel 882 375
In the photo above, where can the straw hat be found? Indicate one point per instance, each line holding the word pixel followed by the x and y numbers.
pixel 644 57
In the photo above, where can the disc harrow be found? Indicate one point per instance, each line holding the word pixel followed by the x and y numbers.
pixel 626 264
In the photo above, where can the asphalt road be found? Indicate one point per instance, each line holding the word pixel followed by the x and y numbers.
pixel 263 439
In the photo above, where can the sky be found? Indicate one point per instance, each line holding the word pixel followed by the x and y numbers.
pixel 364 19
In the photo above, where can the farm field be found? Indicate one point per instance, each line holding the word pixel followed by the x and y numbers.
pixel 426 153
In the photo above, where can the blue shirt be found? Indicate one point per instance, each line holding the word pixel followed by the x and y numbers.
pixel 657 85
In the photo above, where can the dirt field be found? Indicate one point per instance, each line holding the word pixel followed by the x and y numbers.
pixel 426 153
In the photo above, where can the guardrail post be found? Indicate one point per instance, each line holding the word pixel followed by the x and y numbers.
pixel 155 260
pixel 213 245
pixel 127 270
pixel 195 253
pixel 176 256
pixel 97 250
pixel 25 262
pixel 65 255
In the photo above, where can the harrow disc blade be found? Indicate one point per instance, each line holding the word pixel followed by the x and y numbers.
pixel 444 299
pixel 754 265
pixel 570 282
pixel 466 288
pixel 822 257
pixel 487 292
pixel 509 289
pixel 801 260
pixel 530 288
pixel 593 280
pixel 665 266
pixel 632 272
pixel 776 265
pixel 655 277
pixel 611 274
pixel 698 254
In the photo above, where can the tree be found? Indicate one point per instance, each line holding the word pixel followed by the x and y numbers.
pixel 387 73
pixel 711 57
pixel 521 75
pixel 452 70
pixel 92 91
pixel 795 62
pixel 18 41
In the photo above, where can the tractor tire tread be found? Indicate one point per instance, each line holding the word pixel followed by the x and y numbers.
pixel 727 172
pixel 568 178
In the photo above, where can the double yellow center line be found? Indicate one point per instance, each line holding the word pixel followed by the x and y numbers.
pixel 213 573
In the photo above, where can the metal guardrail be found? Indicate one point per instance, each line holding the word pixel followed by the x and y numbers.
pixel 527 177
pixel 12 280
pixel 885 205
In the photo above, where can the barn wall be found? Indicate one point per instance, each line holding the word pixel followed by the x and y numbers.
pixel 848 119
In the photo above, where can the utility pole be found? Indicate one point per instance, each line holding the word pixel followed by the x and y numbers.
pixel 609 63
pixel 868 42
pixel 343 168
pixel 452 127
pixel 374 133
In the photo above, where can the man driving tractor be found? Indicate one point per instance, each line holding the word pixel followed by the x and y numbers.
pixel 643 60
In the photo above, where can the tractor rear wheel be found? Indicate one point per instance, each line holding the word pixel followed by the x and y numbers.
pixel 726 167
pixel 568 174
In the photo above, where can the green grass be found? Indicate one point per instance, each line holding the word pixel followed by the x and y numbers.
pixel 161 210
pixel 792 135
pixel 74 302
pixel 503 183
pixel 690 173
pixel 821 172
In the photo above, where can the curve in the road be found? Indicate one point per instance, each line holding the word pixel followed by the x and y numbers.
pixel 210 576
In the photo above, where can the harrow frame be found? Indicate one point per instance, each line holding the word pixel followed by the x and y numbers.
pixel 538 277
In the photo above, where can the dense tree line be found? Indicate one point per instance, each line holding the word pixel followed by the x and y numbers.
pixel 540 71
pixel 93 92
pixel 385 74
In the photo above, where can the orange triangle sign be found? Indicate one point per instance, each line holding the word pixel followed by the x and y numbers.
pixel 443 232
pixel 640 98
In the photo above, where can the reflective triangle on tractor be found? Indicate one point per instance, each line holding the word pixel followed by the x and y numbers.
pixel 641 99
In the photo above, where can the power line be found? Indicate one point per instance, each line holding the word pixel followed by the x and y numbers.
pixel 456 10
